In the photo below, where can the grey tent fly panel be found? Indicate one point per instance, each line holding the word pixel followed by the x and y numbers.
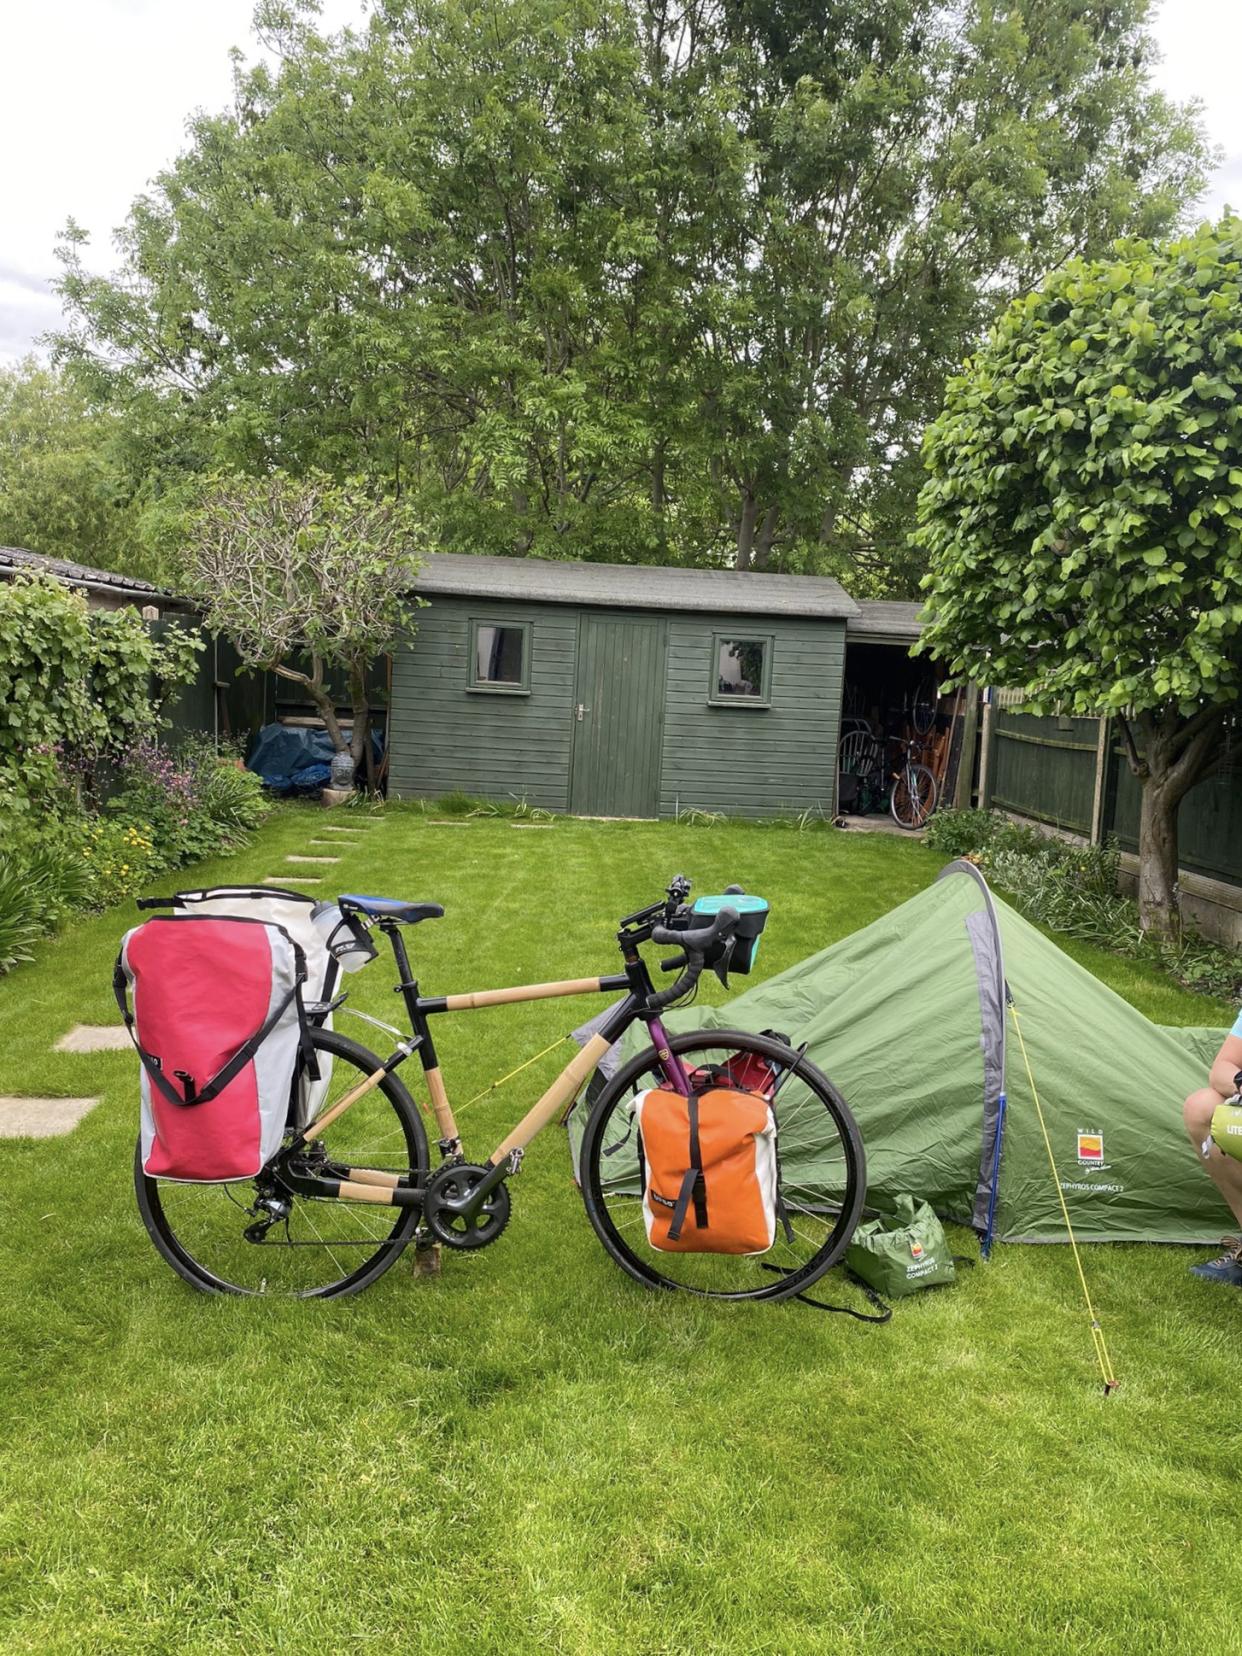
pixel 619 691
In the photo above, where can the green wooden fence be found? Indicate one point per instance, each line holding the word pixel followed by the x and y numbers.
pixel 1054 770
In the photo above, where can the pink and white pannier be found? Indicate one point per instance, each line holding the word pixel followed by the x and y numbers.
pixel 217 1020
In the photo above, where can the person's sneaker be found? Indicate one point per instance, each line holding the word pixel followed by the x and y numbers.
pixel 1228 1268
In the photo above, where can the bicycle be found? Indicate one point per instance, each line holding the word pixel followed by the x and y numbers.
pixel 915 792
pixel 860 755
pixel 364 1158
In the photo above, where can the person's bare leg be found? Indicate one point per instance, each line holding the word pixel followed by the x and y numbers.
pixel 1223 1170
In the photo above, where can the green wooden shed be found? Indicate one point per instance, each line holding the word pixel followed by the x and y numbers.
pixel 620 690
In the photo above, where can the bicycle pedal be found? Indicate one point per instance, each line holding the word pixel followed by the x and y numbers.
pixel 428 1262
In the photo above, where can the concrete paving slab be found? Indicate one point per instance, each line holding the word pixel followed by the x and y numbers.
pixel 94 1038
pixel 290 881
pixel 297 859
pixel 42 1117
pixel 878 825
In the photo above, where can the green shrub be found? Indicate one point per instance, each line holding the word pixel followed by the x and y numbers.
pixel 75 680
pixel 20 925
pixel 960 833
pixel 232 799
pixel 1048 888
pixel 188 804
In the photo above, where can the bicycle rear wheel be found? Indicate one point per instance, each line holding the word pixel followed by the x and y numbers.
pixel 822 1173
pixel 321 1249
pixel 914 797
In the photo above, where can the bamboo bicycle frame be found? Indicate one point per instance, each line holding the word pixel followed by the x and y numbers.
pixel 367 1185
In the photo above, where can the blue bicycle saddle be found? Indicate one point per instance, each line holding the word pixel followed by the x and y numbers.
pixel 392 908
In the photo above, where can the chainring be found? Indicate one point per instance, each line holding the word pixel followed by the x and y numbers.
pixel 451 1183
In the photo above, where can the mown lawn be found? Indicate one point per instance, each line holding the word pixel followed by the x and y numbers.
pixel 532 1454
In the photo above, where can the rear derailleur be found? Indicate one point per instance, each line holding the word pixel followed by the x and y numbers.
pixel 270 1208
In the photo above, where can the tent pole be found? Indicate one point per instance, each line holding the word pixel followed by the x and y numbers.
pixel 989 1234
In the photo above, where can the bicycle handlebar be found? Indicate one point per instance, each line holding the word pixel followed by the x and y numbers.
pixel 701 938
pixel 694 946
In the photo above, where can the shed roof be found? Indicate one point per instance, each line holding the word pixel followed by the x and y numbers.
pixel 15 558
pixel 885 621
pixel 633 586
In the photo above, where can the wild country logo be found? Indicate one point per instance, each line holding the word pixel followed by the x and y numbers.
pixel 1091 1149
pixel 1091 1154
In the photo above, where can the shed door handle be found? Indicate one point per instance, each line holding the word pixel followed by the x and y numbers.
pixel 579 711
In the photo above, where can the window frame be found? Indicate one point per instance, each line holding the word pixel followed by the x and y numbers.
pixel 731 636
pixel 476 686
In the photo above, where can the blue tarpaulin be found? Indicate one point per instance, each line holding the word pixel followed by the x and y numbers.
pixel 293 759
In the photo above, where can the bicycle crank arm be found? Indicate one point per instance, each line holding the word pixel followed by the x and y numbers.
pixel 470 1205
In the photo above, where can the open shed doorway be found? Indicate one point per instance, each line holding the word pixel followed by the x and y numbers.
pixel 900 737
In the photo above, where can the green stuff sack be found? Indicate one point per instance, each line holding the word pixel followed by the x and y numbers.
pixel 901 1252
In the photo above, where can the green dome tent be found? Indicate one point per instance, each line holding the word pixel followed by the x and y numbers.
pixel 908 1018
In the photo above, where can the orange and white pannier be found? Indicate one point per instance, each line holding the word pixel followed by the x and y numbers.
pixel 709 1170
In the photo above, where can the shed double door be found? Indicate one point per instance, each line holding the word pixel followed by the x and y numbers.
pixel 618 717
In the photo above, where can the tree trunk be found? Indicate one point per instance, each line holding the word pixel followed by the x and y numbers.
pixel 360 744
pixel 767 534
pixel 1177 752
pixel 1159 912
pixel 746 529
pixel 312 683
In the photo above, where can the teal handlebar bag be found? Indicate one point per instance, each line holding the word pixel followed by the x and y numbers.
pixel 903 1251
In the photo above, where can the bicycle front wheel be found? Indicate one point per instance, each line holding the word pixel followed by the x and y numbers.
pixel 914 796
pixel 217 1238
pixel 822 1171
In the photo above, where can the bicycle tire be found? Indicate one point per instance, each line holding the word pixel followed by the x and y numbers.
pixel 643 1263
pixel 221 1222
pixel 923 706
pixel 914 797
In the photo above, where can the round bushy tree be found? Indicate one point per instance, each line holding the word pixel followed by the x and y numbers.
pixel 305 575
pixel 1082 516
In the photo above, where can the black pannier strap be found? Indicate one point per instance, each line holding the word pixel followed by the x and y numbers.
pixel 693 1185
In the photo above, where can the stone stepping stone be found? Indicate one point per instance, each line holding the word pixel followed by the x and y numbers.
pixel 336 845
pixel 94 1038
pixel 532 825
pixel 287 879
pixel 331 828
pixel 42 1117
pixel 297 859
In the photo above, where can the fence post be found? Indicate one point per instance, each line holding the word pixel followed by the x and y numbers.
pixel 1103 743
pixel 987 743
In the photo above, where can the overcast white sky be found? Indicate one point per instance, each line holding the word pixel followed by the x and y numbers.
pixel 94 95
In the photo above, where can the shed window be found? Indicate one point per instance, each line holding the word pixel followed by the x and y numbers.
pixel 741 671
pixel 500 656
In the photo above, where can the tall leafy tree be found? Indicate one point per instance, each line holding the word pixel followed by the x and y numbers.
pixel 1083 515
pixel 629 279
pixel 61 491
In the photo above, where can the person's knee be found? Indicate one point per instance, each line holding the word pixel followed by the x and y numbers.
pixel 1198 1108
